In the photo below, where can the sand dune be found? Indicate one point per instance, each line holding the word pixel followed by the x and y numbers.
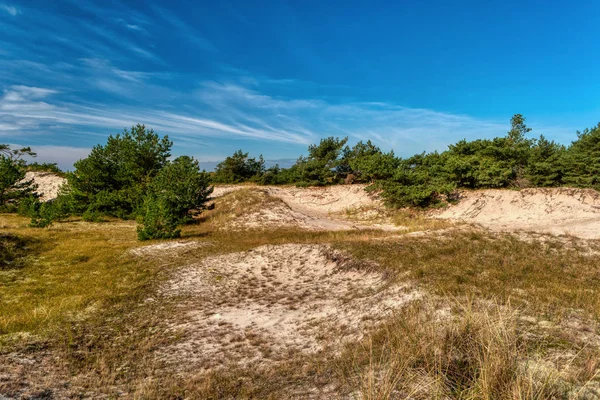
pixel 559 211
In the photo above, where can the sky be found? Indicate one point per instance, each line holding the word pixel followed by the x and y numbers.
pixel 272 77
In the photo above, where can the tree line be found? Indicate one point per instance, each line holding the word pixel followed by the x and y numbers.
pixel 132 176
pixel 511 161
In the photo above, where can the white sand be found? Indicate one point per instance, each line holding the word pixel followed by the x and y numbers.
pixel 262 305
pixel 48 184
pixel 315 208
pixel 559 211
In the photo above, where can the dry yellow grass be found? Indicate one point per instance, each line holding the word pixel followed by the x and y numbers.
pixel 74 268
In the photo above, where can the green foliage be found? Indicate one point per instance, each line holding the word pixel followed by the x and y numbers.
pixel 183 187
pixel 178 190
pixel 368 163
pixel 418 181
pixel 45 167
pixel 480 163
pixel 278 176
pixel 495 163
pixel 157 222
pixel 44 214
pixel 239 168
pixel 582 159
pixel 113 179
pixel 13 186
pixel 546 166
pixel 321 165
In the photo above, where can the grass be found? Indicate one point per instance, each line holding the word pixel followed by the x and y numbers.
pixel 475 354
pixel 503 319
pixel 544 275
pixel 73 269
pixel 411 219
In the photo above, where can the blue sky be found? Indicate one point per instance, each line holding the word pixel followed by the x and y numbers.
pixel 272 77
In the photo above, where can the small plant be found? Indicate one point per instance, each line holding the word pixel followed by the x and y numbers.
pixel 158 221
pixel 43 214
pixel 178 190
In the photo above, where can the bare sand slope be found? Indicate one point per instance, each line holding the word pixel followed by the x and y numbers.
pixel 328 199
pixel 281 215
pixel 313 208
pixel 48 184
pixel 557 211
pixel 263 305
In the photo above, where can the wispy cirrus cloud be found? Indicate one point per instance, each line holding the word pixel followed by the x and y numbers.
pixel 185 31
pixel 23 112
pixel 109 32
pixel 10 9
pixel 230 111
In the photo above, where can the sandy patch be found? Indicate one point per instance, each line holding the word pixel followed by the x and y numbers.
pixel 166 248
pixel 317 209
pixel 327 199
pixel 48 184
pixel 266 304
pixel 280 215
pixel 559 211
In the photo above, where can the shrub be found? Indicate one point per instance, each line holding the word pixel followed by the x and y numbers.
pixel 320 166
pixel 368 163
pixel 582 159
pixel 178 190
pixel 44 214
pixel 158 220
pixel 490 163
pixel 419 181
pixel 183 187
pixel 546 163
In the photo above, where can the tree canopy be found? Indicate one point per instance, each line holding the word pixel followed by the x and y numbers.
pixel 13 185
pixel 112 180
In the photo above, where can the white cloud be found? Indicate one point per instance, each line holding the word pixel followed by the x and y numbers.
pixel 20 93
pixel 187 32
pixel 231 93
pixel 64 156
pixel 230 111
pixel 12 10
pixel 20 111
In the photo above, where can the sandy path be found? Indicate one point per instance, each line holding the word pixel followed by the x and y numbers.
pixel 314 208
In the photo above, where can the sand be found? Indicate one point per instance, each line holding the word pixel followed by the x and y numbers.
pixel 315 208
pixel 48 184
pixel 558 211
pixel 166 248
pixel 262 306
